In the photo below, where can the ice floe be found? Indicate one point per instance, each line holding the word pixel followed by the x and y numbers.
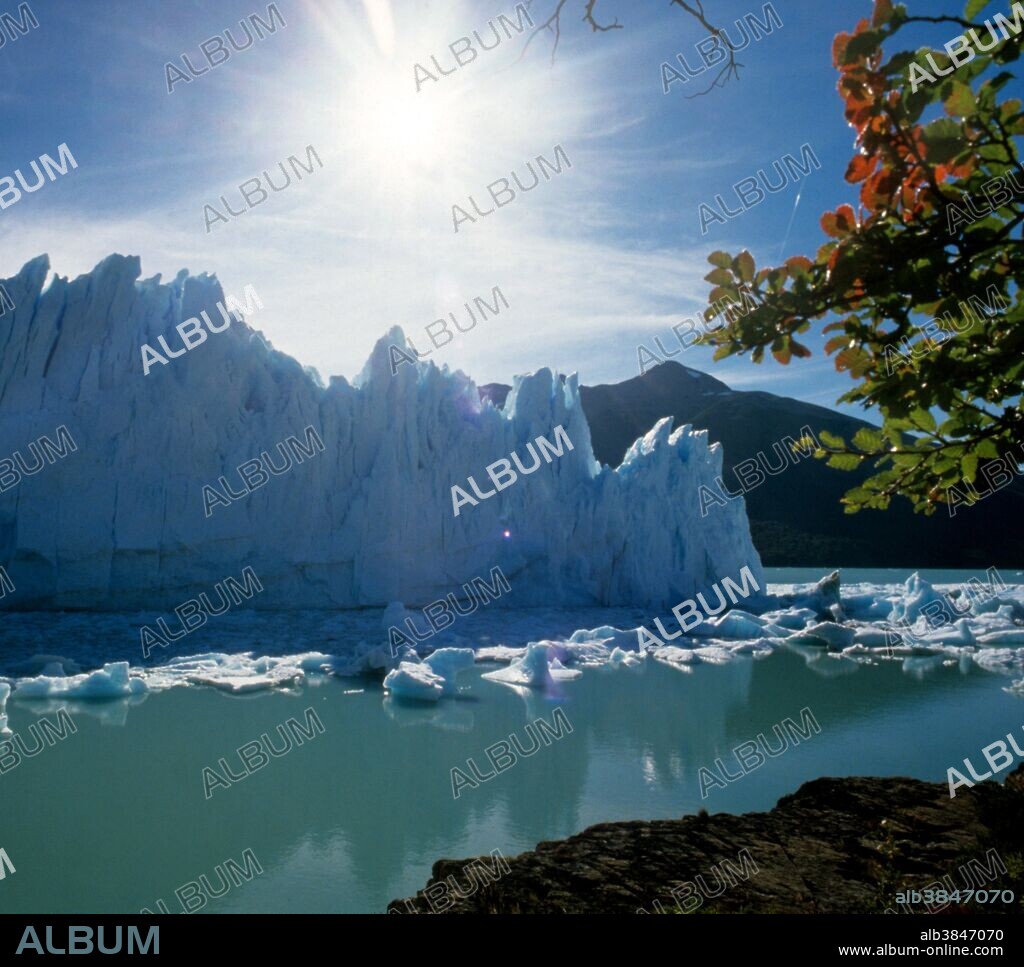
pixel 836 629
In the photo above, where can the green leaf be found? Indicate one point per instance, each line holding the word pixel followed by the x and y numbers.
pixel 719 277
pixel 744 266
pixel 721 259
pixel 974 7
pixel 831 440
pixel 868 440
pixel 844 461
pixel 961 101
pixel 945 140
pixel 969 466
pixel 923 420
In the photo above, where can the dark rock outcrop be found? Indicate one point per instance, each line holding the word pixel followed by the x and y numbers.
pixel 834 846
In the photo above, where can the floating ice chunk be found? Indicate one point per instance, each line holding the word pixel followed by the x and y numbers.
pixel 834 636
pixel 111 681
pixel 594 647
pixel 741 624
pixel 414 681
pixel 759 648
pixel 791 618
pixel 616 637
pixel 958 634
pixel 870 637
pixel 589 651
pixel 978 601
pixel 998 659
pixel 1006 636
pixel 821 598
pixel 625 659
pixel 682 659
pixel 500 653
pixel 535 669
pixel 918 594
pixel 238 673
pixel 868 605
pixel 447 663
pixel 587 654
pixel 1016 688
pixel 715 654
pixel 5 690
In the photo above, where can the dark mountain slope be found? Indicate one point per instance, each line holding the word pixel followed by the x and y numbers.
pixel 795 516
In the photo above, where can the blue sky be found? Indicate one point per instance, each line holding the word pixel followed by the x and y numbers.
pixel 594 262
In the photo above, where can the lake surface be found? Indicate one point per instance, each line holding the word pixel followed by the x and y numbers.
pixel 113 817
pixel 123 812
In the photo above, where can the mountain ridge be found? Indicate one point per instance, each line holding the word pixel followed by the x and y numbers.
pixel 795 517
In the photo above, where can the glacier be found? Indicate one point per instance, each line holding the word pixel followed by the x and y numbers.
pixel 119 523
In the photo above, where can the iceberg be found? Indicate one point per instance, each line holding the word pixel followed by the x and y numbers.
pixel 5 690
pixel 919 594
pixel 536 669
pixel 113 680
pixel 121 522
pixel 431 679
pixel 447 663
pixel 416 681
pixel 828 634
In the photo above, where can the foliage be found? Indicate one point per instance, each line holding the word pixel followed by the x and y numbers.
pixel 919 287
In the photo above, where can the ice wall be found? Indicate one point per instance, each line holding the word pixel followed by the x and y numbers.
pixel 120 522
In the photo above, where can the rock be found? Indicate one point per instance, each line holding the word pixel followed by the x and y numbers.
pixel 835 846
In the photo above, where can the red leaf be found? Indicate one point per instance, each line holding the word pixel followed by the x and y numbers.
pixel 883 12
pixel 846 220
pixel 861 166
pixel 878 190
pixel 839 48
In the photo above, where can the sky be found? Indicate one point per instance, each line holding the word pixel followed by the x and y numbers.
pixel 594 262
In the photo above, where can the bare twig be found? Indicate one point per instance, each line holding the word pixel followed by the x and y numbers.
pixel 731 66
pixel 553 24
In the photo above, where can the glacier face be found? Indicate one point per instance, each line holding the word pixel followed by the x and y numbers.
pixel 120 523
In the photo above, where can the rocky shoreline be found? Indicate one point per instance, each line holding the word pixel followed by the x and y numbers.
pixel 835 846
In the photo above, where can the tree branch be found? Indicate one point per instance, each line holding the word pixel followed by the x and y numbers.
pixel 731 66
pixel 554 24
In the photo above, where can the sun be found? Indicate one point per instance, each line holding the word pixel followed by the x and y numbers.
pixel 398 131
pixel 405 149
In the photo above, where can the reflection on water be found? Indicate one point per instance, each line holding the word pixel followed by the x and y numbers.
pixel 113 817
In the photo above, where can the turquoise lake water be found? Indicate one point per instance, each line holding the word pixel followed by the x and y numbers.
pixel 113 817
